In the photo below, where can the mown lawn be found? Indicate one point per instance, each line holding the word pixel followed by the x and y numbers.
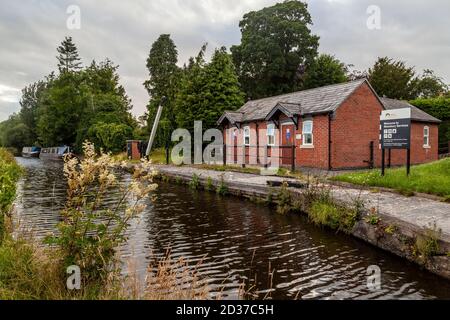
pixel 157 156
pixel 432 178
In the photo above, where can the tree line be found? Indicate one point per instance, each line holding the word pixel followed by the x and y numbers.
pixel 278 53
pixel 72 105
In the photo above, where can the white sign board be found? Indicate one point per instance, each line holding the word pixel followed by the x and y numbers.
pixel 396 114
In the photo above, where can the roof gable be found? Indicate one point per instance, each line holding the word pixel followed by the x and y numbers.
pixel 232 116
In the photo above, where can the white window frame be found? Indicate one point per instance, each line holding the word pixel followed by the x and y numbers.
pixel 304 133
pixel 246 134
pixel 426 136
pixel 272 126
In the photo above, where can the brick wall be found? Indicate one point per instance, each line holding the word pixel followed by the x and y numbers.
pixel 353 127
pixel 419 153
pixel 357 123
pixel 317 156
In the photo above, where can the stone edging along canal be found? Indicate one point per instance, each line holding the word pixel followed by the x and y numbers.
pixel 392 222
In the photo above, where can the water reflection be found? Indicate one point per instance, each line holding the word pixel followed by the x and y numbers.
pixel 239 241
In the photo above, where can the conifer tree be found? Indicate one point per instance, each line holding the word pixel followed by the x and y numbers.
pixel 208 90
pixel 164 75
pixel 68 58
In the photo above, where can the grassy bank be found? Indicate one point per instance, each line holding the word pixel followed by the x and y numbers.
pixel 87 236
pixel 9 175
pixel 432 178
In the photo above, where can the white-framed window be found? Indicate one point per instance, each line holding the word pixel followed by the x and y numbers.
pixel 307 133
pixel 246 136
pixel 426 137
pixel 270 134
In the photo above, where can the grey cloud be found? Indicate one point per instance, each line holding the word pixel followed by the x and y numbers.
pixel 123 31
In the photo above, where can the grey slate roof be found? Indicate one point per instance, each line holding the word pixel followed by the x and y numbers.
pixel 313 101
pixel 416 113
pixel 232 116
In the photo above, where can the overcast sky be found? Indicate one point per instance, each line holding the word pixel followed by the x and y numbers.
pixel 30 30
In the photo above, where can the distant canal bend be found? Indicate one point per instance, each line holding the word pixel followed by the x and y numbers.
pixel 238 240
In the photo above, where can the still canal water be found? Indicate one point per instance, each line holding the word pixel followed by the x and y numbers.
pixel 240 241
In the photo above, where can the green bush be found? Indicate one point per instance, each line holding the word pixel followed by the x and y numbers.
pixel 9 175
pixel 110 136
pixel 222 188
pixel 438 108
pixel 336 217
pixel 92 229
pixel 195 182
pixel 427 245
pixel 284 199
pixel 209 184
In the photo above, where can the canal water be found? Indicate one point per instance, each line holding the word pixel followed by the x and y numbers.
pixel 239 241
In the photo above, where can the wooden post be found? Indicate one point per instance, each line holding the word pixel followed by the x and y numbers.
pixel 257 144
pixel 167 153
pixel 372 159
pixel 224 154
pixel 383 153
pixel 293 158
pixel 408 161
pixel 389 158
pixel 266 152
pixel 243 155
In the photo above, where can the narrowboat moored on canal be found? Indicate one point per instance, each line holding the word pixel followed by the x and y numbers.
pixel 31 152
pixel 54 153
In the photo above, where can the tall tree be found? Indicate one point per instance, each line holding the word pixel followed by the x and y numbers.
pixel 105 102
pixel 191 84
pixel 392 79
pixel 396 80
pixel 277 44
pixel 73 106
pixel 429 85
pixel 164 75
pixel 325 70
pixel 68 58
pixel 14 133
pixel 209 90
pixel 30 101
pixel 61 110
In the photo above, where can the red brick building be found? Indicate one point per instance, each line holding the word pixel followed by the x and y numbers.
pixel 333 127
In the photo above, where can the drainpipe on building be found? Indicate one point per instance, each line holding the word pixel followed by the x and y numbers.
pixel 330 167
pixel 257 143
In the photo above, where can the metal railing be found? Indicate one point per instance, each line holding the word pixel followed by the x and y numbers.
pixel 260 155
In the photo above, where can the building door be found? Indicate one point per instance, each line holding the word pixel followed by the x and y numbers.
pixel 287 141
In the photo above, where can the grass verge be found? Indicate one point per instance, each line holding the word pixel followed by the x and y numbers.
pixel 10 172
pixel 432 178
pixel 29 270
